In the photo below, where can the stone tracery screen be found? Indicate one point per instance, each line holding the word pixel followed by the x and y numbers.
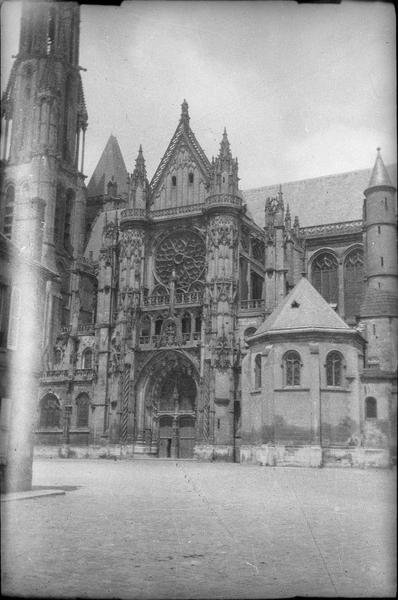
pixel 184 253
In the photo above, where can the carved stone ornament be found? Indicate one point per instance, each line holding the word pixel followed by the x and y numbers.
pixel 182 255
pixel 222 349
pixel 131 242
pixel 223 231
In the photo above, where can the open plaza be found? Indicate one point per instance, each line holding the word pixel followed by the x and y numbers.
pixel 184 529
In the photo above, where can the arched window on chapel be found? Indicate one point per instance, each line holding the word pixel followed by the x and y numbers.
pixel 292 368
pixel 334 368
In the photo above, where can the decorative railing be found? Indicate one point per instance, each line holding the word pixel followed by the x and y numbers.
pixel 84 262
pixel 85 328
pixel 158 341
pixel 133 213
pixel 86 373
pixel 177 210
pixel 252 304
pixel 332 229
pixel 224 199
pixel 65 329
pixel 188 298
pixel 156 300
pixel 55 373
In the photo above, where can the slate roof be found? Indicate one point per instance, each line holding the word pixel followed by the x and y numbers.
pixel 328 199
pixel 111 164
pixel 379 303
pixel 302 309
pixel 380 174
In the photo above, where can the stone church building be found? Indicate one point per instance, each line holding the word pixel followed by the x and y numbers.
pixel 183 316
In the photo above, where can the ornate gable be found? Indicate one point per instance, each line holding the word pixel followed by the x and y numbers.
pixel 183 174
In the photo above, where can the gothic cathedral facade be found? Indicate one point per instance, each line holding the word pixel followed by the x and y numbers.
pixel 155 335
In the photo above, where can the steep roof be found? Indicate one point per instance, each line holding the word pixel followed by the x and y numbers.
pixel 111 164
pixel 380 174
pixel 303 309
pixel 328 199
pixel 183 132
pixel 379 303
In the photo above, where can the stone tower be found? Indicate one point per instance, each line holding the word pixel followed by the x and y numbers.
pixel 222 208
pixel 44 122
pixel 379 307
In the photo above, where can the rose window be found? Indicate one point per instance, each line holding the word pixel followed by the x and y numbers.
pixel 181 252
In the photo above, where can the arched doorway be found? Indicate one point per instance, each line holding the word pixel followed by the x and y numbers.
pixel 175 399
pixel 167 406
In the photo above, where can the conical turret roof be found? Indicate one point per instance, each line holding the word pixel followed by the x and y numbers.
pixel 111 164
pixel 379 174
pixel 304 309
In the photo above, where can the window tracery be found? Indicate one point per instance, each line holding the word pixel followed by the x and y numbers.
pixel 325 276
pixel 50 412
pixel 181 254
pixel 334 364
pixel 292 368
pixel 353 282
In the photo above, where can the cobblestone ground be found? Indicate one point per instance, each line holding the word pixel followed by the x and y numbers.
pixel 167 529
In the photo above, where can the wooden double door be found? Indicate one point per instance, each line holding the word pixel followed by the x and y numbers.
pixel 176 436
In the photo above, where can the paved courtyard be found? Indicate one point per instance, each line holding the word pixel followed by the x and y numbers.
pixel 167 529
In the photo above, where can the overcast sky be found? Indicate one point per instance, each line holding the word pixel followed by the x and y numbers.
pixel 303 90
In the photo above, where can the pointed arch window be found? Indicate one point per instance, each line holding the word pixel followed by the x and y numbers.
pixel 257 372
pixel 186 324
pixel 87 359
pixel 173 180
pixel 353 283
pixel 50 412
pixel 146 327
pixel 292 368
pixel 158 326
pixel 190 178
pixel 9 211
pixel 334 369
pixel 325 276
pixel 82 410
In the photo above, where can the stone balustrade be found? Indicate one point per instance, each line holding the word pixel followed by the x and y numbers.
pixel 252 305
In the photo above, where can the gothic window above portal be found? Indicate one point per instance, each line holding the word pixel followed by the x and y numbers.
pixel 182 255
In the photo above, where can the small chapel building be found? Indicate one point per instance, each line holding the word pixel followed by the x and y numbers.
pixel 301 390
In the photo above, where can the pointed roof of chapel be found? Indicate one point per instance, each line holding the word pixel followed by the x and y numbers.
pixel 304 309
pixel 110 165
pixel 182 133
pixel 379 174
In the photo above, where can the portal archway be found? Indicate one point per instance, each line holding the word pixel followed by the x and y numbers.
pixel 169 394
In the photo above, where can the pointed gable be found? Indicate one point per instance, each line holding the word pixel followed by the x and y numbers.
pixel 303 309
pixel 110 165
pixel 184 171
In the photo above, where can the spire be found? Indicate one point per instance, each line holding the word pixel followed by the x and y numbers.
pixel 140 170
pixel 184 112
pixel 225 150
pixel 379 175
pixel 288 219
pixel 110 163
